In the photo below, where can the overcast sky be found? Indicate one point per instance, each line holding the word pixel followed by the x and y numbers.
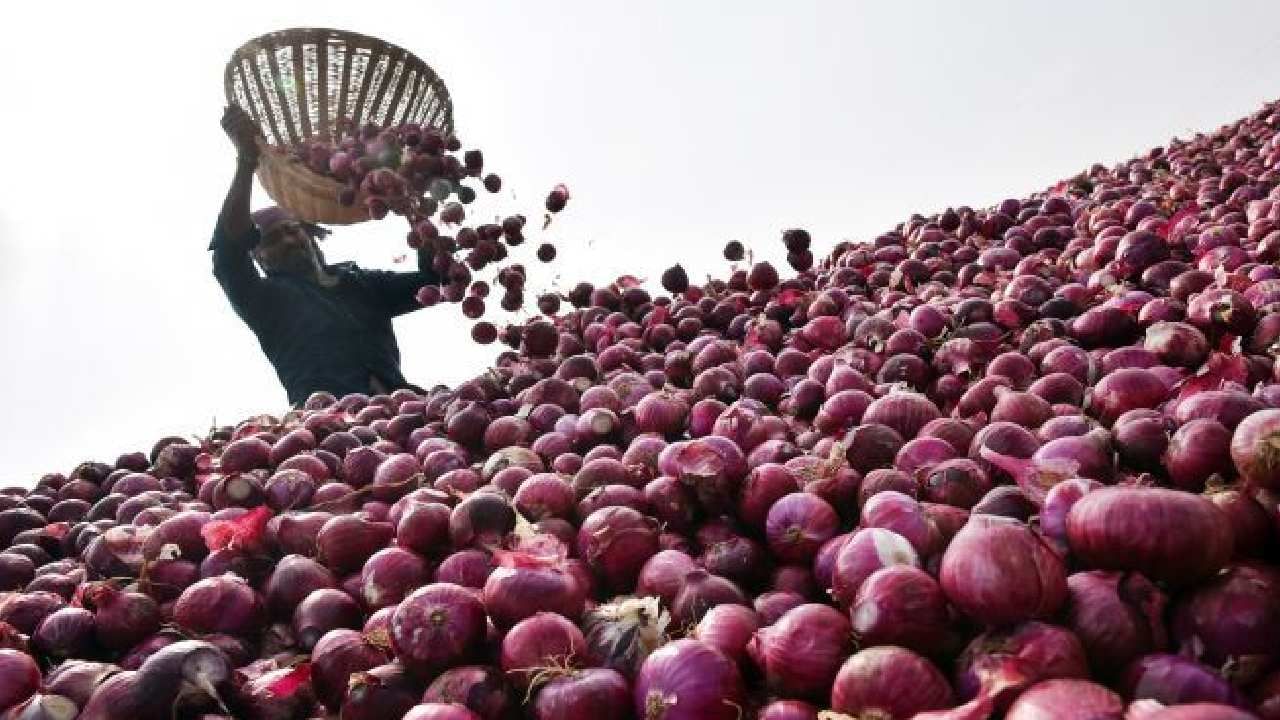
pixel 677 125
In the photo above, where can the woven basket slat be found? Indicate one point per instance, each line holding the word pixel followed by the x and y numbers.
pixel 292 136
pixel 322 87
pixel 299 84
pixel 380 90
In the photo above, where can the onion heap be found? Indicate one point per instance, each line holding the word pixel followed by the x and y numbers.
pixel 1020 462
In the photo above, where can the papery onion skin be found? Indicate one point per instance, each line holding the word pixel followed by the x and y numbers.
pixel 889 680
pixel 688 680
pixel 1000 572
pixel 1168 536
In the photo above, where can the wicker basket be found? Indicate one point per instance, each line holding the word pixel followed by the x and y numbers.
pixel 298 83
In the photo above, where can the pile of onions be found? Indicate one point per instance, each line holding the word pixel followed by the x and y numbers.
pixel 1020 461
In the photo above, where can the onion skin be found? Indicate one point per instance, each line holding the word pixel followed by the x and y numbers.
pixel 889 680
pixel 688 680
pixel 1168 536
pixel 1066 699
pixel 1000 572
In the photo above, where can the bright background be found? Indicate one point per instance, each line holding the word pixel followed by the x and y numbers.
pixel 677 125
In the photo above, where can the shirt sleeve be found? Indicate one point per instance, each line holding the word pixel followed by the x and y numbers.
pixel 234 269
pixel 396 293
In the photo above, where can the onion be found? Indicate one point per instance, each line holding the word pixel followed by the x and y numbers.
pixel 865 552
pixel 663 575
pixel 1174 680
pixel 121 619
pixel 389 575
pixel 801 653
pixel 999 572
pixel 524 584
pixel 997 665
pixel 700 592
pixel 1166 535
pixel 797 525
pixel 1196 451
pixel 593 692
pixel 902 605
pixel 436 626
pixel 541 642
pixel 481 689
pixel 224 604
pixel 890 682
pixel 1124 390
pixel 728 628
pixel 688 680
pixel 1254 449
pixel 905 412
pixel 1066 699
pixel 323 610
pixel 1232 622
pixel 21 677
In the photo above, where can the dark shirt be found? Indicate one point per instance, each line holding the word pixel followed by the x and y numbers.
pixel 320 338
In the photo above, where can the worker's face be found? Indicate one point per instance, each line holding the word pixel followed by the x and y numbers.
pixel 288 248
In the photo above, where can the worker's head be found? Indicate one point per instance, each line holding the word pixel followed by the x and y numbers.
pixel 287 244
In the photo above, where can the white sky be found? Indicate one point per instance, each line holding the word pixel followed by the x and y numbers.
pixel 676 124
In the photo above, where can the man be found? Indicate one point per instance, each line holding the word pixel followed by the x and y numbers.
pixel 323 327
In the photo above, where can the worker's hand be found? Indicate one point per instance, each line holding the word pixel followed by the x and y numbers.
pixel 243 132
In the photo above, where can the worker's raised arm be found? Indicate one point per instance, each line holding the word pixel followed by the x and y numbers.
pixel 234 235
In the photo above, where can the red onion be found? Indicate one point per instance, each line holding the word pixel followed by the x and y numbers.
pixel 797 525
pixel 543 641
pixel 121 619
pixel 524 584
pixel 1232 622
pixel 1066 699
pixel 21 677
pixel 1254 449
pixel 1199 449
pixel 998 665
pixel 688 680
pixel 905 412
pixel 468 568
pixel 728 628
pixel 999 572
pixel 437 625
pixel 1167 535
pixel 865 552
pixel 1174 680
pixel 801 653
pixel 591 693
pixel 616 542
pixel 904 515
pixel 481 689
pixel 902 605
pixel 700 592
pixel 891 681
pixel 323 610
pixel 663 574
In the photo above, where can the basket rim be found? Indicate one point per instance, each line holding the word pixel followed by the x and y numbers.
pixel 278 38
